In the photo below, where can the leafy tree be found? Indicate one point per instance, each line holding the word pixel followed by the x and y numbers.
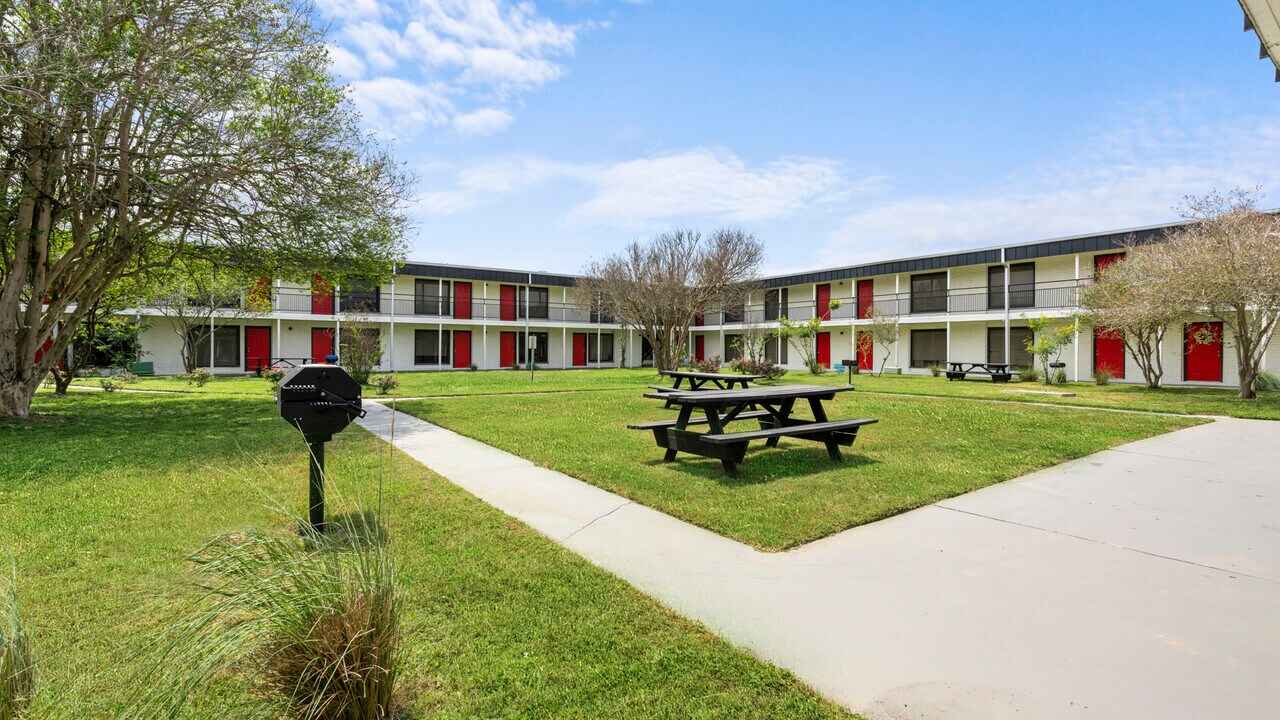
pixel 360 347
pixel 1048 338
pixel 659 287
pixel 198 297
pixel 138 133
pixel 803 336
pixel 882 331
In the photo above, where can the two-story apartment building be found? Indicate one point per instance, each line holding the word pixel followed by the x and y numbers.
pixel 970 306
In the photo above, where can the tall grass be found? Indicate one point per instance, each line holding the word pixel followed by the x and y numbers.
pixel 17 664
pixel 309 625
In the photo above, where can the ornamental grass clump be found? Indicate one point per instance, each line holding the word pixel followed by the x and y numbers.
pixel 17 664
pixel 311 624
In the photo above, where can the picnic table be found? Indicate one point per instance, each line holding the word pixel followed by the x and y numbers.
pixel 998 372
pixel 697 380
pixel 771 406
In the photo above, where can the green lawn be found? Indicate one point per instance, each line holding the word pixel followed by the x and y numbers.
pixel 422 384
pixel 922 450
pixel 1181 400
pixel 102 496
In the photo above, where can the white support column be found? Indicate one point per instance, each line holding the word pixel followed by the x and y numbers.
pixel 948 341
pixel 1005 264
pixel 212 330
pixel 484 327
pixel 564 347
pixel 439 343
pixel 1075 371
pixel 897 301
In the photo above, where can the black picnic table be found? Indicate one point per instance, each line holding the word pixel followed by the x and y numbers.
pixel 771 406
pixel 697 380
pixel 998 372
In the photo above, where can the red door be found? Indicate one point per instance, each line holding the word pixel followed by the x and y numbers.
pixel 257 348
pixel 824 349
pixel 1203 358
pixel 507 349
pixel 866 297
pixel 321 296
pixel 579 349
pixel 866 352
pixel 508 303
pixel 462 301
pixel 824 302
pixel 321 344
pixel 1102 262
pixel 462 346
pixel 700 347
pixel 1108 352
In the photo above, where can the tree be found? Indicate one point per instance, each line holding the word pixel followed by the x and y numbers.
pixel 138 133
pixel 882 331
pixel 753 339
pixel 198 298
pixel 103 335
pixel 1130 298
pixel 360 346
pixel 1224 264
pixel 1048 340
pixel 659 287
pixel 803 336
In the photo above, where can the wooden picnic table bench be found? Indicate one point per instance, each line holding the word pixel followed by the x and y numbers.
pixel 998 372
pixel 722 407
pixel 721 381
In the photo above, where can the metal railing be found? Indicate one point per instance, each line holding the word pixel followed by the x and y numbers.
pixel 408 306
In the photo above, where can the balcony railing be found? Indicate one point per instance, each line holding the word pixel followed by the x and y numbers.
pixel 408 306
pixel 1041 296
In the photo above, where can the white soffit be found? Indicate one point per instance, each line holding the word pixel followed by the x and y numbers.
pixel 1261 16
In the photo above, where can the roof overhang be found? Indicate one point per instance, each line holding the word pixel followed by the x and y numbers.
pixel 1263 17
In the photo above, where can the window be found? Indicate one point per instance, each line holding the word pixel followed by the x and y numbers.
pixel 430 347
pixel 732 347
pixel 539 300
pixel 928 347
pixel 599 317
pixel 540 351
pixel 226 346
pixel 733 315
pixel 776 350
pixel 929 293
pixel 362 297
pixel 1022 286
pixel 775 303
pixel 1018 339
pixel 604 351
pixel 431 297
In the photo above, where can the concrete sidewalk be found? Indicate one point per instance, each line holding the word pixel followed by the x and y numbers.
pixel 1141 582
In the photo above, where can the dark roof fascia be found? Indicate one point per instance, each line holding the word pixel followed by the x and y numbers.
pixel 459 272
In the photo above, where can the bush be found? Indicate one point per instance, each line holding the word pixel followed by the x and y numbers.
pixel 473 367
pixel 1059 376
pixel 110 384
pixel 128 377
pixel 198 377
pixel 709 364
pixel 311 623
pixel 274 375
pixel 935 370
pixel 1029 374
pixel 1266 380
pixel 1102 376
pixel 17 665
pixel 766 367
pixel 386 383
pixel 815 367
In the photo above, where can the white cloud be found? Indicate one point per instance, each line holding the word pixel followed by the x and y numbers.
pixel 345 63
pixel 479 53
pixel 484 121
pixel 398 107
pixel 1130 175
pixel 697 184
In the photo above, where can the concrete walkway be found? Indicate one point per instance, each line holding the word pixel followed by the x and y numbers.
pixel 1141 582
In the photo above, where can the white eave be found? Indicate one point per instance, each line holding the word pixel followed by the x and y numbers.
pixel 1263 17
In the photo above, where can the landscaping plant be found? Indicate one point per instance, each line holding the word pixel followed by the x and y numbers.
pixel 198 377
pixel 803 336
pixel 274 375
pixel 1029 373
pixel 935 370
pixel 110 384
pixel 311 624
pixel 1266 381
pixel 386 383
pixel 882 331
pixel 766 367
pixel 1102 376
pixel 17 663
pixel 710 363
pixel 1047 342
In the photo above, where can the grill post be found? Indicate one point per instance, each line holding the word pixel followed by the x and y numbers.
pixel 316 504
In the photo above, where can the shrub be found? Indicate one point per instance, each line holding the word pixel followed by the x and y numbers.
pixel 815 367
pixel 1029 373
pixel 128 377
pixel 110 384
pixel 1059 376
pixel 473 367
pixel 935 370
pixel 1102 376
pixel 766 367
pixel 274 375
pixel 310 623
pixel 386 383
pixel 1266 380
pixel 709 364
pixel 17 665
pixel 197 377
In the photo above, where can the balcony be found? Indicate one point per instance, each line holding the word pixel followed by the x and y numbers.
pixel 410 307
pixel 956 301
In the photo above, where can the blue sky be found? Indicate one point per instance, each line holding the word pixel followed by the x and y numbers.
pixel 547 133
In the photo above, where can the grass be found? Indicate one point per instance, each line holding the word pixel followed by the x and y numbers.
pixel 1182 400
pixel 103 495
pixel 420 384
pixel 922 450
